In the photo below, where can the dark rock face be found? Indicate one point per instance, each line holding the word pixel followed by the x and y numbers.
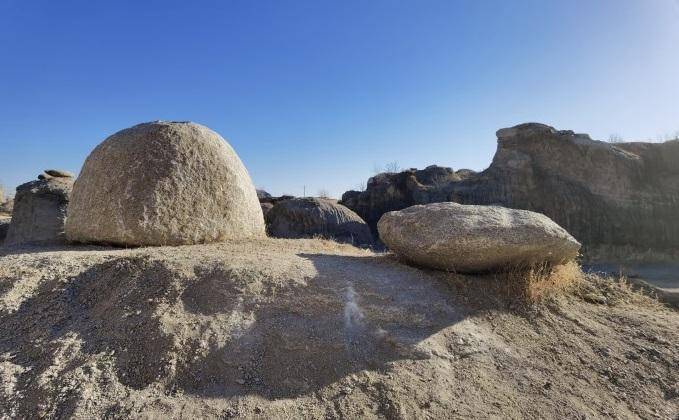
pixel 263 195
pixel 395 191
pixel 269 199
pixel 4 227
pixel 603 194
pixel 40 211
pixel 309 217
pixel 59 173
pixel 265 207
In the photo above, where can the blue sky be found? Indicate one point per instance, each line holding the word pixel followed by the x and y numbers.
pixel 318 93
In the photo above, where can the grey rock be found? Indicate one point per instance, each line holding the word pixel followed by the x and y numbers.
pixel 261 194
pixel 266 207
pixel 309 217
pixel 7 206
pixel 603 194
pixel 471 239
pixel 4 227
pixel 164 183
pixel 58 173
pixel 39 212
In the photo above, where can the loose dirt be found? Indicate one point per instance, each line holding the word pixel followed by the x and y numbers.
pixel 312 329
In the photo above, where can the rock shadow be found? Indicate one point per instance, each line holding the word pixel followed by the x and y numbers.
pixel 107 309
pixel 357 313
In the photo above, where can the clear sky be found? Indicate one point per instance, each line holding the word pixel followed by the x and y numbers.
pixel 318 93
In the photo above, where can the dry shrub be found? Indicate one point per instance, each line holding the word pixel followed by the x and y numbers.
pixel 536 283
pixel 615 290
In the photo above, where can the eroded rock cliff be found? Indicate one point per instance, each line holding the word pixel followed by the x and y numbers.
pixel 602 193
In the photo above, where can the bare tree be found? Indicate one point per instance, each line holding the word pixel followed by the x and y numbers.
pixel 391 167
pixel 615 138
pixel 323 193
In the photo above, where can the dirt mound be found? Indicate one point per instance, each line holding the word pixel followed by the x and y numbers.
pixel 309 328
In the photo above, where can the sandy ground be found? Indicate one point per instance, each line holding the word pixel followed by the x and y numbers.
pixel 312 329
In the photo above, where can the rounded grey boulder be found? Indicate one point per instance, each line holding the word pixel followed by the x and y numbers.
pixel 163 183
pixel 309 217
pixel 468 239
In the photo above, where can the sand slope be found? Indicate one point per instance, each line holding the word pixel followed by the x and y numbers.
pixel 309 328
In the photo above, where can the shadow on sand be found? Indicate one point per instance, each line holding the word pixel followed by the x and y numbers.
pixel 356 313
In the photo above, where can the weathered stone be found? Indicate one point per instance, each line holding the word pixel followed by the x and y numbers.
pixel 266 207
pixel 163 183
pixel 58 173
pixel 263 195
pixel 4 227
pixel 468 238
pixel 309 217
pixel 603 194
pixel 7 206
pixel 39 212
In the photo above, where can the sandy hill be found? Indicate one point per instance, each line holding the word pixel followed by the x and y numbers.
pixel 312 329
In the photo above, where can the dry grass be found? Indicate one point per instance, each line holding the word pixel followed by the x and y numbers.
pixel 535 284
pixel 614 291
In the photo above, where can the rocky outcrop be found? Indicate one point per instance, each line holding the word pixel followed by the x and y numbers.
pixel 602 193
pixel 7 207
pixel 311 217
pixel 4 227
pixel 164 183
pixel 263 195
pixel 39 212
pixel 59 173
pixel 471 239
pixel 265 208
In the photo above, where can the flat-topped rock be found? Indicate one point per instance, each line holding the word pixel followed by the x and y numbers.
pixel 468 238
pixel 58 173
pixel 39 212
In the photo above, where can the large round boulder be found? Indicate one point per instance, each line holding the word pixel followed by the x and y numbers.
pixel 39 212
pixel 310 217
pixel 466 238
pixel 163 183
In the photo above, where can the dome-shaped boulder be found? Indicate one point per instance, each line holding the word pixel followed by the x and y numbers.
pixel 310 217
pixel 163 183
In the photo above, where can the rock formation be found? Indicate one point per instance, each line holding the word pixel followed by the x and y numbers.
pixel 309 217
pixel 4 227
pixel 58 173
pixel 263 195
pixel 602 193
pixel 39 212
pixel 163 183
pixel 470 239
pixel 7 207
pixel 265 208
